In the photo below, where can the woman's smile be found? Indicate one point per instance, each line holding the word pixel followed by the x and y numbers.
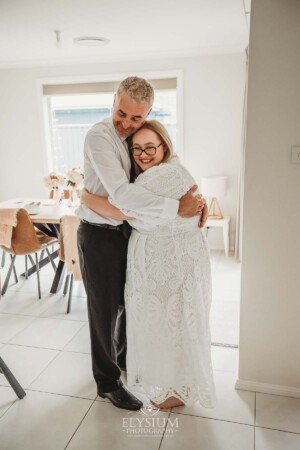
pixel 145 161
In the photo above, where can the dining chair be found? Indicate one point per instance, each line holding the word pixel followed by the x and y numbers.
pixel 68 254
pixel 26 240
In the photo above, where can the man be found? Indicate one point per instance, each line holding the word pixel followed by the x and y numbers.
pixel 102 242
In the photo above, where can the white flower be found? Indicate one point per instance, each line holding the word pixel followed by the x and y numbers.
pixel 53 180
pixel 75 177
pixel 61 179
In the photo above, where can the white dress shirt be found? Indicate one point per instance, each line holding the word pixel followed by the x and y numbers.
pixel 107 173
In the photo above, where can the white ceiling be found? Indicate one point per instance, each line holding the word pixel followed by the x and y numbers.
pixel 137 29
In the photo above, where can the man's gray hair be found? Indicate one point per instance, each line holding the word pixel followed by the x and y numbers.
pixel 138 89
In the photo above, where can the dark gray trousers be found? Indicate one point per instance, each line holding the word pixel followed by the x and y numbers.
pixel 103 258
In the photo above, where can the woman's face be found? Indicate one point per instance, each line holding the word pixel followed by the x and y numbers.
pixel 145 139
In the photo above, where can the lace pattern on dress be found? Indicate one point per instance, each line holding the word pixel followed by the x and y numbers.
pixel 168 299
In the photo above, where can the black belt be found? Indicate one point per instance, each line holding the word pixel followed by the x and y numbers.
pixel 105 225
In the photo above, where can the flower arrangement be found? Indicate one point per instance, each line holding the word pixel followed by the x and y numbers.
pixel 54 180
pixel 75 177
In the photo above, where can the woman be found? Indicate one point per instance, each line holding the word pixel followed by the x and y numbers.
pixel 168 284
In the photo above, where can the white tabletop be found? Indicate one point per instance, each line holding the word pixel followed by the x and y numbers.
pixel 218 222
pixel 48 212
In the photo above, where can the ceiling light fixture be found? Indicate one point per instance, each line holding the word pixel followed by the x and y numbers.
pixel 90 41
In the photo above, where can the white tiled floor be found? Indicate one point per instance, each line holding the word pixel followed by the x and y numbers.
pixel 49 353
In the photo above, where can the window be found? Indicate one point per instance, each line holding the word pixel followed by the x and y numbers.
pixel 70 116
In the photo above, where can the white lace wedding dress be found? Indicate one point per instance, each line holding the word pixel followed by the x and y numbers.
pixel 168 298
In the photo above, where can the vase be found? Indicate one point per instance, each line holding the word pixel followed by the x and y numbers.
pixel 56 195
pixel 73 199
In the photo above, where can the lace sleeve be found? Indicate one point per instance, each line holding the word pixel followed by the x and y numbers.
pixel 166 180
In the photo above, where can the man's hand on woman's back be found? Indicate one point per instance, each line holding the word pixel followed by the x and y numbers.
pixel 204 215
pixel 191 205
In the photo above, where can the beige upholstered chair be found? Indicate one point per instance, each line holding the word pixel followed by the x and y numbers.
pixel 26 240
pixel 69 255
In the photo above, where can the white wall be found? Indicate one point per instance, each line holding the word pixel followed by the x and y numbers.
pixel 213 102
pixel 270 299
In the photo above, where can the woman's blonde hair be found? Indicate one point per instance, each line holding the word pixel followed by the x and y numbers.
pixel 163 134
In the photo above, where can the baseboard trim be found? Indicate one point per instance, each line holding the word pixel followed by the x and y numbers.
pixel 266 388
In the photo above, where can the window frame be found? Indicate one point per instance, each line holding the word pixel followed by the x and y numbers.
pixel 44 122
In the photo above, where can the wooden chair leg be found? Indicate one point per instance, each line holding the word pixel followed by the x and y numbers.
pixel 11 379
pixel 38 274
pixel 70 294
pixel 4 289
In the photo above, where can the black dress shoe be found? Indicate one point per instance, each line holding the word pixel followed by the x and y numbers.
pixel 122 398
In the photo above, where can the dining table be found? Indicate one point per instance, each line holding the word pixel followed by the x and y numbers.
pixel 46 217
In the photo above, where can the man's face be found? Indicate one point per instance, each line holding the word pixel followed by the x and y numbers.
pixel 128 116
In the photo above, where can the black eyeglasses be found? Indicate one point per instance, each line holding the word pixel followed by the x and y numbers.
pixel 150 150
